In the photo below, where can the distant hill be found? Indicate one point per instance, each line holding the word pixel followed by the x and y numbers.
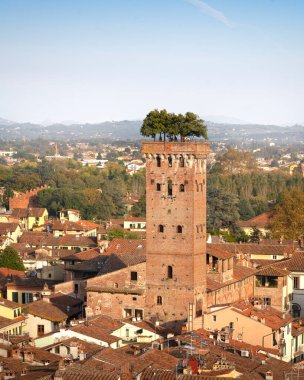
pixel 244 134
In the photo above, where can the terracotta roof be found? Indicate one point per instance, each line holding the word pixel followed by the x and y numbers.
pixel 89 254
pixel 99 329
pixel 116 262
pixel 4 322
pixel 6 228
pixel 84 372
pixel 9 304
pixel 87 225
pixel 255 249
pixel 239 273
pixel 66 225
pixel 4 272
pixel 86 347
pixel 130 218
pixel 272 271
pixel 259 221
pixel 42 355
pixel 45 239
pixel 293 264
pixel 220 253
pixel 46 310
pixel 35 212
pixel 92 265
pixel 127 246
pixel 30 282
pixel 251 368
pixel 268 316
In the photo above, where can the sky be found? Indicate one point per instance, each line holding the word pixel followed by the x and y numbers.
pixel 98 60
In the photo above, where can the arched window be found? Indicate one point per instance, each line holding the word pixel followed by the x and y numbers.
pixel 181 188
pixel 170 162
pixel 181 162
pixel 170 190
pixel 161 228
pixel 158 162
pixel 159 300
pixel 179 229
pixel 169 272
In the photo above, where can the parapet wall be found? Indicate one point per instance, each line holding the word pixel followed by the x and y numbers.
pixel 189 147
pixel 25 200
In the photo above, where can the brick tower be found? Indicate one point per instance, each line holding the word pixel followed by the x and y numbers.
pixel 176 230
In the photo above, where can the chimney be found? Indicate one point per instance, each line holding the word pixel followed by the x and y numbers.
pixel 46 298
pixel 28 356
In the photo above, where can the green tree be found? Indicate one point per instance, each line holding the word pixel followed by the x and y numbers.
pixel 288 217
pixel 255 235
pixel 172 125
pixel 9 258
pixel 7 194
pixel 116 233
pixel 245 209
pixel 139 209
pixel 222 210
pixel 156 122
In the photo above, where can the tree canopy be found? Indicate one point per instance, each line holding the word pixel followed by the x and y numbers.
pixel 288 218
pixel 172 126
pixel 9 258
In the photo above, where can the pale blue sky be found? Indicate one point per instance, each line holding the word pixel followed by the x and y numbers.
pixel 97 60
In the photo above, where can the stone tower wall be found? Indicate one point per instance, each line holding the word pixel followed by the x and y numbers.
pixel 176 229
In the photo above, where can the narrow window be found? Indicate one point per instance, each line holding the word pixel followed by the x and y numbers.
pixel 127 333
pixel 179 229
pixel 197 186
pixel 170 190
pixel 158 162
pixel 115 285
pixel 40 330
pixel 296 282
pixel 152 181
pixel 201 186
pixel 133 276
pixel 181 188
pixel 159 300
pixel 170 271
pixel 158 187
pixel 181 162
pixel 161 228
pixel 214 318
pixel 170 162
pixel 76 288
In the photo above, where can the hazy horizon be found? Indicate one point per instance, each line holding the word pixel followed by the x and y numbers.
pixel 93 61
